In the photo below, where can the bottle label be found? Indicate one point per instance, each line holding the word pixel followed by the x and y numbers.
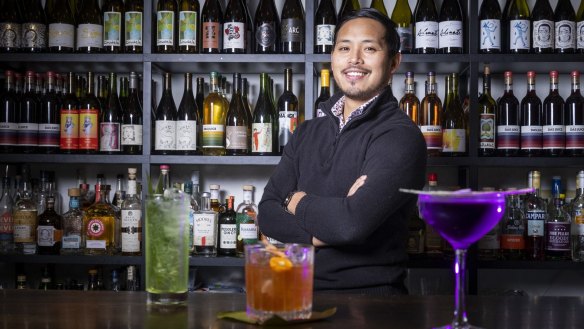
pixel 10 35
pixel 89 35
pixel 131 134
pixel 95 228
pixel 204 229
pixel 112 29
pixel 512 241
pixel 450 34
pixel 8 133
pixel 406 38
pixel 580 34
pixel 543 34
pixel 95 244
pixel 228 236
pixel 165 135
pixel 490 241
pixel 557 236
pixel 261 137
pixel 109 137
pixel 69 130
pixel 265 35
pixel 165 28
pixel 325 34
pixel 213 136
pixel 565 34
pixel 88 129
pixel 233 35
pixel 49 135
pixel 133 28
pixel 71 241
pixel 131 230
pixel 519 34
pixel 453 140
pixel 24 224
pixel 575 137
pixel 236 138
pixel 34 35
pixel 553 137
pixel 248 232
pixel 187 28
pixel 426 35
pixel 490 34
pixel 487 137
pixel 292 30
pixel 535 223
pixel 433 137
pixel 6 227
pixel 508 137
pixel 186 135
pixel 211 34
pixel 288 120
pixel 28 134
pixel 46 236
pixel 61 35
pixel 531 137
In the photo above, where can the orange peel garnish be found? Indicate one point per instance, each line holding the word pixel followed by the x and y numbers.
pixel 280 264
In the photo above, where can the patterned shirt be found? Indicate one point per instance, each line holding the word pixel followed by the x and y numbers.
pixel 337 110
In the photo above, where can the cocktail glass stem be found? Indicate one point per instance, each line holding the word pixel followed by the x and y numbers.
pixel 460 320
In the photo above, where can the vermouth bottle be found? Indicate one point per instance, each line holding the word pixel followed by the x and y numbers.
pixel 554 134
pixel 508 118
pixel 574 118
pixel 531 120
pixel 536 216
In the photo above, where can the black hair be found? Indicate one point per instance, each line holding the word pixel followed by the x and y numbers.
pixel 391 37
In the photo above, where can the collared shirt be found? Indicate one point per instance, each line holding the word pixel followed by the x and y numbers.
pixel 339 106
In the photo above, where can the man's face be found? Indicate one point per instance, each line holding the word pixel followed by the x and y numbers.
pixel 360 60
pixel 544 32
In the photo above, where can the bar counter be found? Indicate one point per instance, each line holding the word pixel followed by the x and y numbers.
pixel 34 309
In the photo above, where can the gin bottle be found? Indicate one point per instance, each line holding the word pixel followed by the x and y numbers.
pixel 577 212
pixel 228 230
pixel 205 228
pixel 536 216
pixel 73 225
pixel 131 224
pixel 247 226
pixel 25 222
pixel 6 220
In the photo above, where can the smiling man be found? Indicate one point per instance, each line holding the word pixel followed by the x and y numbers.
pixel 336 186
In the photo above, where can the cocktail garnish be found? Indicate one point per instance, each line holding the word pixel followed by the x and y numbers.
pixel 280 264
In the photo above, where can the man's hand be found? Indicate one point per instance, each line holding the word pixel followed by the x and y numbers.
pixel 358 183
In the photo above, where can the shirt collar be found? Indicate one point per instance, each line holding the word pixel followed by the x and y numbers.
pixel 338 108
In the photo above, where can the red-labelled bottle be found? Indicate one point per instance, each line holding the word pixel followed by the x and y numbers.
pixel 69 127
pixel 531 120
pixel 574 118
pixel 554 135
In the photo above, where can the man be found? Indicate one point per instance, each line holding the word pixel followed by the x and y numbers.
pixel 336 186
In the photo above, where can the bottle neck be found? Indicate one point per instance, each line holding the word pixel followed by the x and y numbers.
pixel 131 187
pixel 214 84
pixel 247 197
pixel 531 85
pixel 575 85
pixel 487 84
pixel 205 203
pixel 288 80
pixel 554 85
pixel 188 83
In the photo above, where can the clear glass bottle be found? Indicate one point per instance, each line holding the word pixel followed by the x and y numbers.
pixel 214 197
pixel 247 224
pixel 513 228
pixel 131 223
pixel 536 216
pixel 99 224
pixel 577 212
pixel 6 219
pixel 132 280
pixel 49 230
pixel 25 222
pixel 120 194
pixel 205 228
pixel 73 225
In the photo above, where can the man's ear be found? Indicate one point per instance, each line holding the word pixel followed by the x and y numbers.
pixel 395 62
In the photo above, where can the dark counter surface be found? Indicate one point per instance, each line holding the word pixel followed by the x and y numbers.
pixel 34 309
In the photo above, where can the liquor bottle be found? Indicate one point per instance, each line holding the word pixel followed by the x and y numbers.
pixel 513 229
pixel 565 27
pixel 214 198
pixel 133 22
pixel 410 103
pixel 265 123
pixel 433 242
pixel 490 27
pixel 227 245
pixel 25 221
pixel 247 225
pixel 554 135
pixel 325 92
pixel 214 111
pixel 49 230
pixel 46 279
pixel 487 115
pixel 8 115
pixel 89 113
pixel 165 120
pixel 536 216
pixel 557 232
pixel 10 27
pixel 163 180
pixel 188 189
pixel 92 280
pixel 325 21
pixel 205 228
pixel 379 6
pixel 49 118
pixel 188 26
pixel 43 192
pixel 131 224
pixel 292 28
pixel 34 27
pixel 21 282
pixel 574 118
pixel 166 15
pixel 266 28
pixel 426 27
pixel 73 225
pixel 69 128
pixel 120 193
pixel 431 117
pixel 542 19
pixel 115 281
pixel 196 195
pixel 28 128
pixel 288 111
pixel 187 120
pixel 237 122
pixel 112 11
pixel 211 23
pixel 6 219
pixel 110 122
pixel 99 224
pixel 517 20
pixel 132 279
pixel 234 27
pixel 89 28
pixel 132 120
pixel 450 26
pixel 402 17
pixel 200 97
pixel 489 246
pixel 348 6
pixel 453 123
pixel 580 28
pixel 577 213
pixel 531 120
pixel 508 118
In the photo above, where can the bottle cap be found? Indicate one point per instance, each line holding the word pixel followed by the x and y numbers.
pixel 531 74
pixel 432 177
pixel 248 187
pixel 554 74
pixel 214 186
pixel 575 74
pixel 74 191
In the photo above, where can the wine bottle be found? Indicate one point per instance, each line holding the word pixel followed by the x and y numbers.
pixel 187 120
pixel 34 27
pixel 487 117
pixel 508 118
pixel 133 13
pixel 110 121
pixel 8 120
pixel 10 27
pixel 113 11
pixel 542 20
pixel 292 28
pixel 264 124
pixel 28 128
pixel 166 16
pixel 200 97
pixel 325 21
pixel 61 28
pixel 379 6
pixel 69 140
pixel 234 28
pixel 165 120
pixel 266 28
pixel 89 112
pixel 453 124
pixel 554 134
pixel 132 119
pixel 325 92
pixel 214 111
pixel 89 28
pixel 574 118
pixel 518 23
pixel 410 103
pixel 102 88
pixel 348 6
pixel 124 90
pixel 49 118
pixel 211 23
pixel 244 95
pixel 238 122
pixel 426 27
pixel 431 117
pixel 565 27
pixel 580 28
pixel 450 26
pixel 188 26
pixel 402 17
pixel 288 111
pixel 531 122
pixel 490 27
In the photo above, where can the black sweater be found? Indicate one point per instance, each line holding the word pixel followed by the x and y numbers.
pixel 365 233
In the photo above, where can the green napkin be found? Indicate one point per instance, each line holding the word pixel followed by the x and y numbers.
pixel 275 320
